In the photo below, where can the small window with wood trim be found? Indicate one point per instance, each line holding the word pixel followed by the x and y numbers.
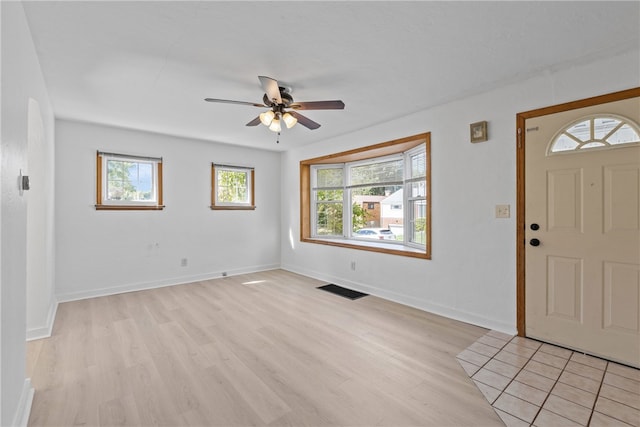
pixel 232 187
pixel 128 182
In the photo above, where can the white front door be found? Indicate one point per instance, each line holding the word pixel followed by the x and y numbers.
pixel 582 234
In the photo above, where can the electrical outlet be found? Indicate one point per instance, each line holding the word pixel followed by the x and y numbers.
pixel 183 262
pixel 353 265
pixel 503 211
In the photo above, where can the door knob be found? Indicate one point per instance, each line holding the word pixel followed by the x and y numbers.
pixel 534 242
pixel 535 227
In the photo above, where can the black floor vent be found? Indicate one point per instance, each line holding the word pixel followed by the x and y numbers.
pixel 343 292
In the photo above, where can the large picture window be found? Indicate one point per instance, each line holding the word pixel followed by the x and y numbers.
pixel 375 198
pixel 126 182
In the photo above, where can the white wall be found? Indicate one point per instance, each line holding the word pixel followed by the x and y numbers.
pixel 472 276
pixel 104 252
pixel 41 302
pixel 21 81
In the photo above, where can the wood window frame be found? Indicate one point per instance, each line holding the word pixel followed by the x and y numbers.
pixel 236 206
pixel 100 205
pixel 396 146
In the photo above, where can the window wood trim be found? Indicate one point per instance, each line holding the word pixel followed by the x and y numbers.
pixel 370 152
pixel 252 195
pixel 373 151
pixel 129 207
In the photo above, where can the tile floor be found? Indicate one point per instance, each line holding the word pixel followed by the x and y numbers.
pixel 530 383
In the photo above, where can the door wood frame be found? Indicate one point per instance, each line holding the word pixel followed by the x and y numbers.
pixel 520 184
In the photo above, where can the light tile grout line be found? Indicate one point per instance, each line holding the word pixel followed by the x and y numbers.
pixel 556 381
pixel 552 387
pixel 593 409
pixel 514 378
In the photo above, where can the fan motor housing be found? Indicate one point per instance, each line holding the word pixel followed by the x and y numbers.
pixel 286 97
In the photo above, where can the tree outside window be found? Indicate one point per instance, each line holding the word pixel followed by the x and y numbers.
pixel 128 182
pixel 232 187
pixel 385 186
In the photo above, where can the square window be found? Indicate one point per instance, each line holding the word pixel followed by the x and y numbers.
pixel 127 182
pixel 232 187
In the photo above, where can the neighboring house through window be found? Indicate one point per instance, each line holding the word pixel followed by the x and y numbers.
pixel 394 175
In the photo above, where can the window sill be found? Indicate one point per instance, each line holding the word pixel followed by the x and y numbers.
pixel 129 208
pixel 232 208
pixel 390 249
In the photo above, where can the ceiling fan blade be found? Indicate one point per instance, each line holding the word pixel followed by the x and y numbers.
pixel 318 105
pixel 305 121
pixel 254 122
pixel 271 88
pixel 227 101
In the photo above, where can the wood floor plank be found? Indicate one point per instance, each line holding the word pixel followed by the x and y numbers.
pixel 192 326
pixel 188 352
pixel 258 396
pixel 133 350
pixel 153 400
pixel 260 349
pixel 119 412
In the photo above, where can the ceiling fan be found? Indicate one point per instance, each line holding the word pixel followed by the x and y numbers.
pixel 282 108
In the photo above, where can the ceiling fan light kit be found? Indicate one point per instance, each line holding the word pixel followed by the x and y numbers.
pixel 272 120
pixel 275 126
pixel 278 99
pixel 289 120
pixel 267 117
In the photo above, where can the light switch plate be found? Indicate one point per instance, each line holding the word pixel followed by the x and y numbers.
pixel 503 211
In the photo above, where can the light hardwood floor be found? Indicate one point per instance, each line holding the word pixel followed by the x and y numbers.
pixel 264 349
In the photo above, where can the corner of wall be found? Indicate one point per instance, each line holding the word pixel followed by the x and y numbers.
pixel 46 330
pixel 23 411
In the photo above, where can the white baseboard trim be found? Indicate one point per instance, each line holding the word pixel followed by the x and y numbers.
pixel 45 331
pixel 141 286
pixel 420 304
pixel 23 411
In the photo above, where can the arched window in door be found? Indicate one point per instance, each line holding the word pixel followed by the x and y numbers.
pixel 592 132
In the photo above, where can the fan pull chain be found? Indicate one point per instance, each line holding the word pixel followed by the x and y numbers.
pixel 278 138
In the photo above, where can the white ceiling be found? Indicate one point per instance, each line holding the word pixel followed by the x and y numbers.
pixel 149 65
